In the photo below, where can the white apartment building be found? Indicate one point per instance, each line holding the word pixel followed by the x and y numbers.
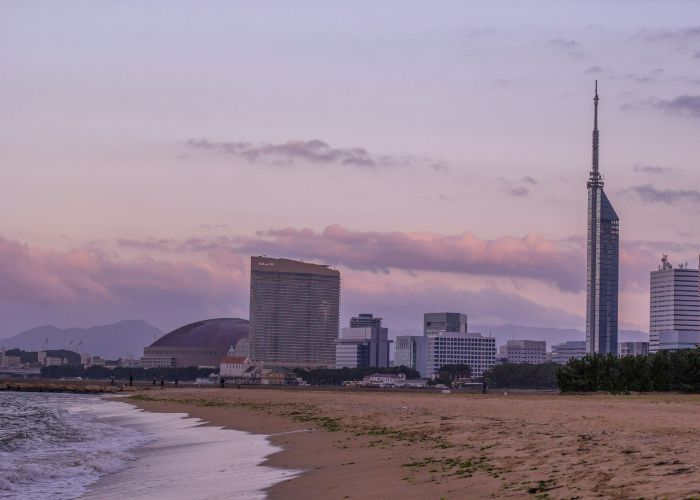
pixel 532 352
pixel 674 310
pixel 562 353
pixel 633 348
pixel 457 348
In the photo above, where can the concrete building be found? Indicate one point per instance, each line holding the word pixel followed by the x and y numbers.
pixel 410 351
pixel 603 256
pixel 677 340
pixel 8 361
pixel 674 307
pixel 384 379
pixel 634 348
pixel 201 344
pixel 532 352
pixel 562 353
pixel 444 322
pixel 363 346
pixel 294 313
pixel 457 348
pixel 46 360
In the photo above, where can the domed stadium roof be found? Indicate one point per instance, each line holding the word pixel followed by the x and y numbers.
pixel 221 332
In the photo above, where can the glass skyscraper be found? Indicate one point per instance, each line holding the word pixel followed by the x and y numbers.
pixel 603 259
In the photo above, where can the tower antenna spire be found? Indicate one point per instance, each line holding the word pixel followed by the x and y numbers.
pixel 595 179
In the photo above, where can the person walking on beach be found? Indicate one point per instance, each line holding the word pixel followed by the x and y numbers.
pixel 483 387
pixel 131 380
pixel 111 380
pixel 222 381
pixel 162 383
pixel 176 382
pixel 154 380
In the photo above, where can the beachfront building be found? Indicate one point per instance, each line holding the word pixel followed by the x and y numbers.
pixel 200 344
pixel 384 379
pixel 294 313
pixel 410 351
pixel 459 348
pixel 531 352
pixel 8 361
pixel 45 360
pixel 562 353
pixel 634 348
pixel 444 322
pixel 674 307
pixel 364 344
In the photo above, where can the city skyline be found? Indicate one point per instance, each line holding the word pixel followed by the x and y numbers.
pixel 436 160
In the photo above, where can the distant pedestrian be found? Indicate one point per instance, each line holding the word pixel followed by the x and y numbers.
pixel 162 383
pixel 111 380
pixel 131 380
pixel 222 381
pixel 483 387
pixel 154 380
pixel 175 382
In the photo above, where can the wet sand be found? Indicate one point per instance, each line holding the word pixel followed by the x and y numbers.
pixel 422 446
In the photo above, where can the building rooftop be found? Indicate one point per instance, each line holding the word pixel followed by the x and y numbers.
pixel 220 332
pixel 270 265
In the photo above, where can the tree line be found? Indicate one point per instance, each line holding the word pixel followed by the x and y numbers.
pixel 522 376
pixel 661 371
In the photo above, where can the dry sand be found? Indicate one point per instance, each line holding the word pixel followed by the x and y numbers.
pixel 431 446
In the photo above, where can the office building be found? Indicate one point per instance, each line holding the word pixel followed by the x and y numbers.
pixel 603 256
pixel 363 346
pixel 634 348
pixel 675 340
pixel 562 353
pixel 531 352
pixel 444 322
pixel 674 306
pixel 459 348
pixel 409 350
pixel 294 313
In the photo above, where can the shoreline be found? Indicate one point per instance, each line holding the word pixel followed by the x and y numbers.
pixel 423 446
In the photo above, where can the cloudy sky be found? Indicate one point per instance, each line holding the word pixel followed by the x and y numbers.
pixel 436 152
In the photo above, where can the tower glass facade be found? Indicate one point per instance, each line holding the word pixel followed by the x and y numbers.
pixel 603 255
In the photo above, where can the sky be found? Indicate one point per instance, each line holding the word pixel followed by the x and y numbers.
pixel 437 153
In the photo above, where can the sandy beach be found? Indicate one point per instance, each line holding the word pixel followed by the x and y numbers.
pixel 421 446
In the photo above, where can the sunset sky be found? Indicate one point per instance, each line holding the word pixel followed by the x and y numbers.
pixel 436 152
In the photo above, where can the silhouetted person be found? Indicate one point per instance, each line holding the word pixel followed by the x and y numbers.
pixel 222 382
pixel 131 380
pixel 483 387
pixel 111 380
pixel 175 382
pixel 162 383
pixel 154 380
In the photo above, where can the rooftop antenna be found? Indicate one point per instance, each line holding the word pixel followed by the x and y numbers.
pixel 595 179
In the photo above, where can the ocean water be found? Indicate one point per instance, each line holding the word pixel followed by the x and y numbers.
pixel 64 446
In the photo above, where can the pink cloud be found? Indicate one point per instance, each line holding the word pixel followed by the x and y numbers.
pixel 531 256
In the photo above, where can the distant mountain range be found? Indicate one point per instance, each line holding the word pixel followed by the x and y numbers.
pixel 503 333
pixel 120 340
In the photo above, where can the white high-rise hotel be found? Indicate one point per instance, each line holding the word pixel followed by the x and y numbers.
pixel 674 318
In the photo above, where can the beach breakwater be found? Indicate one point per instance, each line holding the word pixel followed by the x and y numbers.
pixel 74 387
